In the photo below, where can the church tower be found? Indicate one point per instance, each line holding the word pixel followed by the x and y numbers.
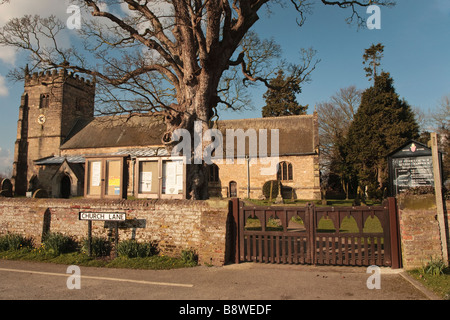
pixel 51 105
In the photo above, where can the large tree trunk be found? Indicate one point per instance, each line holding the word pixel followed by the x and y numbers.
pixel 195 103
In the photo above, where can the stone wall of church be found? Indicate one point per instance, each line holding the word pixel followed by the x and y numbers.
pixel 305 182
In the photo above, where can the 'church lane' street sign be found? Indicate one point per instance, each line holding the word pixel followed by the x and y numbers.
pixel 103 216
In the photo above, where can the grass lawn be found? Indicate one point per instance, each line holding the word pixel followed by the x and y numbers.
pixel 439 284
pixel 156 262
pixel 317 203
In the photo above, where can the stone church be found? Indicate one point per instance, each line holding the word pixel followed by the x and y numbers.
pixel 62 150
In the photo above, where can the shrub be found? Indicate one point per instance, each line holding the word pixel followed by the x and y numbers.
pixel 134 249
pixel 58 243
pixel 434 267
pixel 101 247
pixel 419 190
pixel 15 242
pixel 374 192
pixel 266 189
pixel 189 257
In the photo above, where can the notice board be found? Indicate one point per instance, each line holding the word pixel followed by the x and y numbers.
pixel 410 166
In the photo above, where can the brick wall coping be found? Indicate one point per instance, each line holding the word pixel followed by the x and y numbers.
pixel 89 203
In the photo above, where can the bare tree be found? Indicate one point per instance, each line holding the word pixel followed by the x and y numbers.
pixel 335 117
pixel 441 116
pixel 175 58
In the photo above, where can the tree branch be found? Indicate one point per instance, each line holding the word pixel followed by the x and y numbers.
pixel 150 43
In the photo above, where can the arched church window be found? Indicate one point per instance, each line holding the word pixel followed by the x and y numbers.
pixel 284 172
pixel 213 173
pixel 44 101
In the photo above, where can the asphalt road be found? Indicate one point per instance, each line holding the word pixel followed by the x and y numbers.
pixel 43 281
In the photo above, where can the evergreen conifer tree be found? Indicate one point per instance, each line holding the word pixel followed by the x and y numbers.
pixel 382 123
pixel 280 97
pixel 372 58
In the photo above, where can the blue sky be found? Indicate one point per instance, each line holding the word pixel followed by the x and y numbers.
pixel 416 35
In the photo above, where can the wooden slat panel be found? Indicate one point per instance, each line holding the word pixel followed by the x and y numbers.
pixel 366 251
pixel 249 249
pixel 379 249
pixel 296 248
pixel 266 248
pixel 373 250
pixel 277 249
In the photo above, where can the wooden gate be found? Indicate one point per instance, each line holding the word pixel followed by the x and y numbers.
pixel 354 236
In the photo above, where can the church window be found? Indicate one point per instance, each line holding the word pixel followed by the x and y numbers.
pixel 213 173
pixel 284 172
pixel 77 105
pixel 44 101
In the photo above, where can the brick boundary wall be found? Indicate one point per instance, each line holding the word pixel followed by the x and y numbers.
pixel 420 232
pixel 175 225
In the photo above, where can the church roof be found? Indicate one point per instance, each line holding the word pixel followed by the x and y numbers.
pixel 133 153
pixel 60 160
pixel 298 135
pixel 116 131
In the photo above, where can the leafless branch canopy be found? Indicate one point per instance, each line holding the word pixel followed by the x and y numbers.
pixel 147 54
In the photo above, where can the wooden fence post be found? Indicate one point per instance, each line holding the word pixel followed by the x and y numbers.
pixel 312 232
pixel 235 229
pixel 396 257
pixel 439 198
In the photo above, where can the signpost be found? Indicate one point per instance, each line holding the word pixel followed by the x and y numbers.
pixel 102 216
pixel 417 165
pixel 439 197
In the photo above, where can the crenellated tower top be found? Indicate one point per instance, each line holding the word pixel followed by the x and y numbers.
pixel 58 76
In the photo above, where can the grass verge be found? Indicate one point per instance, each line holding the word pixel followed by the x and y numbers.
pixel 156 262
pixel 302 203
pixel 439 284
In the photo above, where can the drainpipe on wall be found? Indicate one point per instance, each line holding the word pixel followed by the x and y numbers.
pixel 248 176
pixel 133 164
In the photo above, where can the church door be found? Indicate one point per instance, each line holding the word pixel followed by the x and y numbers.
pixel 65 187
pixel 233 189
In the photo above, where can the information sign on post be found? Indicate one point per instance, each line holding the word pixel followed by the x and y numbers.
pixel 102 216
pixel 410 166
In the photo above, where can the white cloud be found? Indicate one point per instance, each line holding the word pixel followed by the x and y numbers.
pixel 8 55
pixel 3 89
pixel 6 160
pixel 45 8
pixel 19 8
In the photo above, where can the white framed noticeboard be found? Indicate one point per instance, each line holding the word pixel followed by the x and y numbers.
pixel 104 177
pixel 160 177
pixel 172 177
